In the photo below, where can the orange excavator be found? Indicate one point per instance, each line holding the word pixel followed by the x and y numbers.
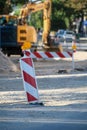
pixel 46 7
pixel 18 36
pixel 33 7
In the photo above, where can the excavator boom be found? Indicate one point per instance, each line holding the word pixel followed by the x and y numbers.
pixel 33 7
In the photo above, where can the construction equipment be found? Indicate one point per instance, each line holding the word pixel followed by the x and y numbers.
pixel 33 7
pixel 15 35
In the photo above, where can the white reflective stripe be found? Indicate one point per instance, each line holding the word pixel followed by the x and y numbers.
pixel 66 55
pixel 33 56
pixel 55 55
pixel 31 90
pixel 27 68
pixel 43 55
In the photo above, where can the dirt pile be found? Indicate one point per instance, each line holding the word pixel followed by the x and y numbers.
pixel 6 65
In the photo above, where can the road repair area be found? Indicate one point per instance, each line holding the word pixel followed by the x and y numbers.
pixel 62 90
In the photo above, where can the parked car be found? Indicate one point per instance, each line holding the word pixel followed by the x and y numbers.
pixel 66 35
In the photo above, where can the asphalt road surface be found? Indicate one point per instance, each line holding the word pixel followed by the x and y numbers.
pixel 65 103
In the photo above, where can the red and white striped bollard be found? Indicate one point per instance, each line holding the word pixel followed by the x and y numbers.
pixel 29 79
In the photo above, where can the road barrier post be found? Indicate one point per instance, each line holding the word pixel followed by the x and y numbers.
pixel 29 79
pixel 73 63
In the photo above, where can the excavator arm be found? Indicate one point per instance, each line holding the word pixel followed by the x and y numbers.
pixel 33 7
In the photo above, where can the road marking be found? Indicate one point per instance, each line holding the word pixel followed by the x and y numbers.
pixel 62 76
pixel 49 76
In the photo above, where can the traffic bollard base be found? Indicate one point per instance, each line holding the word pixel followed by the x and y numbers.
pixel 37 103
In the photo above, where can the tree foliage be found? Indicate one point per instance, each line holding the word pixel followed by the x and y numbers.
pixel 78 5
pixel 5 6
pixel 63 12
pixel 19 1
